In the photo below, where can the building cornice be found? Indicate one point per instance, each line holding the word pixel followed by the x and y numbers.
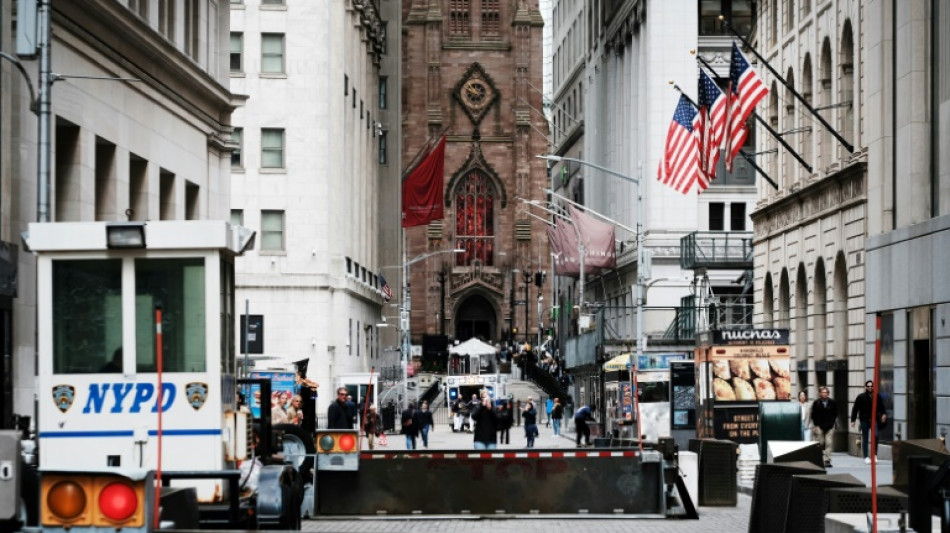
pixel 837 192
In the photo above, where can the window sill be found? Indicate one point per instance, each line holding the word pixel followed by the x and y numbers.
pixel 273 75
pixel 237 73
pixel 237 170
pixel 273 7
pixel 269 170
pixel 273 253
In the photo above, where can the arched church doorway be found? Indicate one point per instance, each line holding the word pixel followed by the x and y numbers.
pixel 475 318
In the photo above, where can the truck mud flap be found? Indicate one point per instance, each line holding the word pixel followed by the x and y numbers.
pixel 619 481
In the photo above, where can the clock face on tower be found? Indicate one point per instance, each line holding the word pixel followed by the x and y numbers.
pixel 475 94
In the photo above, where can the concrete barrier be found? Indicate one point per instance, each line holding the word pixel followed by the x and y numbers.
pixel 614 481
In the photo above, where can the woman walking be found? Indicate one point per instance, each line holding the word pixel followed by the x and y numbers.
pixel 530 421
pixel 557 414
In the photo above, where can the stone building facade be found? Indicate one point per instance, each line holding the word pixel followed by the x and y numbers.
pixel 153 145
pixel 472 71
pixel 810 233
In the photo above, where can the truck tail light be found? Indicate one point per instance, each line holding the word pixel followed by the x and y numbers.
pixel 99 500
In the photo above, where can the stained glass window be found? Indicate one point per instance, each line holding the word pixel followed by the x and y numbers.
pixel 474 220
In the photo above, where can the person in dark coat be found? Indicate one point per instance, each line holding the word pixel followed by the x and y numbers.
pixel 411 422
pixel 486 424
pixel 861 411
pixel 504 423
pixel 530 415
pixel 824 415
pixel 338 414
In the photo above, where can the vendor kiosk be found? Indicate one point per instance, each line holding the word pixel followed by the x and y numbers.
pixel 737 369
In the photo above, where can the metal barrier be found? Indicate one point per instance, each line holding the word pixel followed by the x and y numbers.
pixel 616 481
pixel 771 491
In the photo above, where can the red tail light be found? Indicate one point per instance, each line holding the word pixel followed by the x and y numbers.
pixel 118 501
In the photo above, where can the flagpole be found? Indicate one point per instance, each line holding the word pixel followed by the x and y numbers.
pixel 746 157
pixel 788 86
pixel 422 152
pixel 774 133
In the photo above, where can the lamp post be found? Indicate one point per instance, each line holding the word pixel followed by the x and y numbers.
pixel 526 276
pixel 641 256
pixel 404 313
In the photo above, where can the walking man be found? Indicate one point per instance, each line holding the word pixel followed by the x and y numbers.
pixel 581 416
pixel 824 415
pixel 861 411
pixel 338 416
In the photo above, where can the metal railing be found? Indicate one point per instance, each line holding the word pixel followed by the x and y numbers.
pixel 717 250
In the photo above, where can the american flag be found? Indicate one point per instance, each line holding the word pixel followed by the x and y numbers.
pixel 712 120
pixel 386 289
pixel 746 89
pixel 679 165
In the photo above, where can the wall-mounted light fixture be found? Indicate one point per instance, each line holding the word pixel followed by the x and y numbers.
pixel 125 235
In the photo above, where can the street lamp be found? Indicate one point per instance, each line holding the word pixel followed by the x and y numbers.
pixel 404 313
pixel 641 256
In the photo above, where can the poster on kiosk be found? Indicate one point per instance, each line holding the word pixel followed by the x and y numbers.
pixel 737 370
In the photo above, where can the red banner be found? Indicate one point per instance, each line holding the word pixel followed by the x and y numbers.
pixel 422 192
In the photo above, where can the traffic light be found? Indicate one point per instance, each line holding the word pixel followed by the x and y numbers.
pixel 539 278
pixel 94 500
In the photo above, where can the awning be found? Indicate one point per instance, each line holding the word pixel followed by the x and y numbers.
pixel 618 362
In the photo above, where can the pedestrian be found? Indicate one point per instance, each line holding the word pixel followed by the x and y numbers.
pixel 861 411
pixel 338 416
pixel 824 417
pixel 485 432
pixel 372 424
pixel 472 404
pixel 457 416
pixel 425 415
pixel 517 412
pixel 410 425
pixel 548 406
pixel 530 415
pixel 581 416
pixel 504 423
pixel 557 414
pixel 806 414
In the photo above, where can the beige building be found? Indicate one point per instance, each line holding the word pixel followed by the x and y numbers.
pixel 152 146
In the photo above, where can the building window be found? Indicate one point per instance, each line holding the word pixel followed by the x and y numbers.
pixel 354 97
pixel 272 148
pixel 237 155
pixel 237 52
pixel 384 38
pixel 739 13
pixel 272 2
pixel 474 220
pixel 272 231
pixel 346 85
pixel 491 18
pixel 272 53
pixel 383 89
pixel 717 216
pixel 737 216
pixel 382 148
pixel 460 24
pixel 237 217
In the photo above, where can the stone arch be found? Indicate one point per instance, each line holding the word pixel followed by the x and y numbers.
pixel 788 168
pixel 768 305
pixel 824 100
pixel 840 317
pixel 806 137
pixel 475 314
pixel 819 306
pixel 801 312
pixel 784 300
pixel 846 90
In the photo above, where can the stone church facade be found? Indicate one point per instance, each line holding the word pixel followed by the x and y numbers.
pixel 472 71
